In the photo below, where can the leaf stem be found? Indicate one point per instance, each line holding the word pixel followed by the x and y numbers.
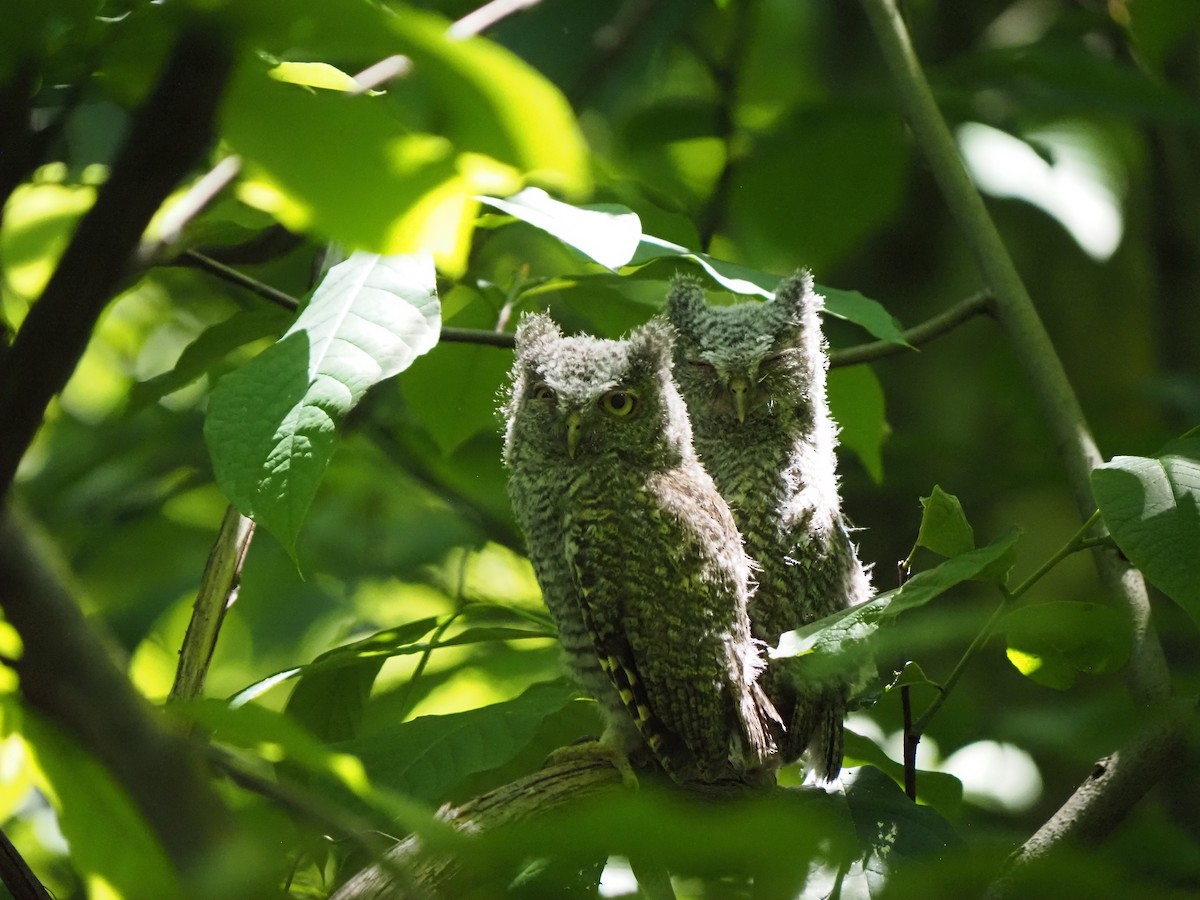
pixel 218 591
pixel 1078 542
pixel 956 673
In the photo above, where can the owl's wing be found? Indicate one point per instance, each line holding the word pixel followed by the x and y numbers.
pixel 668 620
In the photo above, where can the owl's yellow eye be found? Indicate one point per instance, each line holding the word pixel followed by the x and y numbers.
pixel 620 403
pixel 542 391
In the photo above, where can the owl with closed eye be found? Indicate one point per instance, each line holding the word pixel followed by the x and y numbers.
pixel 753 377
pixel 638 557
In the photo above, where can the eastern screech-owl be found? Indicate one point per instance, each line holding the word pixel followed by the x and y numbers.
pixel 638 557
pixel 753 377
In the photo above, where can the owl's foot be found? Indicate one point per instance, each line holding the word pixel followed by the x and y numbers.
pixel 598 749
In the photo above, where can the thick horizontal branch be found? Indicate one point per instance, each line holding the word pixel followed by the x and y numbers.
pixel 167 137
pixel 535 795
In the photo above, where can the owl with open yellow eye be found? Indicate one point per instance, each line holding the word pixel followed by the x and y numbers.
pixel 638 557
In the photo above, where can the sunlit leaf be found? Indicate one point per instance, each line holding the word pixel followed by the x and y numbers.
pixel 606 233
pixel 314 74
pixel 841 642
pixel 944 526
pixel 271 425
pixel 1051 643
pixel 1152 508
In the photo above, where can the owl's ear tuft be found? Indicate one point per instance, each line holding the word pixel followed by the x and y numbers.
pixel 534 329
pixel 651 345
pixel 685 299
pixel 797 296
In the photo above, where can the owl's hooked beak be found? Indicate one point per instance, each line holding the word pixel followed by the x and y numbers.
pixel 574 430
pixel 739 386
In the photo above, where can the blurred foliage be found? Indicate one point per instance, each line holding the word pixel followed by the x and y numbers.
pixel 393 653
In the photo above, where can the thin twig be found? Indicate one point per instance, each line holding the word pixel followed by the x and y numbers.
pixel 1078 542
pixel 480 20
pixel 911 740
pixel 218 591
pixel 168 135
pixel 387 69
pixel 964 310
pixel 956 673
pixel 233 276
pixel 176 218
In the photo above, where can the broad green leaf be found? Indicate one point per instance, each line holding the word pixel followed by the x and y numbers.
pixel 332 692
pixel 937 789
pixel 857 402
pixel 496 104
pixel 342 166
pixel 1152 509
pixel 848 305
pixel 841 643
pixel 865 312
pixel 426 757
pixel 277 738
pixel 453 392
pixel 209 348
pixel 912 674
pixel 107 834
pixel 1051 643
pixel 891 828
pixel 271 425
pixel 944 526
pixel 607 233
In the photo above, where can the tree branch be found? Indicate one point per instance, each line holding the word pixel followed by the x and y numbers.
pixel 67 676
pixel 480 20
pixel 1114 786
pixel 535 795
pixel 167 136
pixel 975 305
pixel 218 591
pixel 1147 674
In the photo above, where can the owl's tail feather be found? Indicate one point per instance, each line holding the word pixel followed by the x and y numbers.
pixel 818 731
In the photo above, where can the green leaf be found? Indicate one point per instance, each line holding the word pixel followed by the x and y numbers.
pixel 742 280
pixel 1152 509
pixel 208 349
pixel 342 166
pixel 452 392
pixel 426 757
pixel 277 738
pixel 607 233
pixel 841 643
pixel 893 830
pixel 271 425
pixel 107 834
pixel 1050 643
pixel 937 789
pixel 944 526
pixel 864 312
pixel 857 402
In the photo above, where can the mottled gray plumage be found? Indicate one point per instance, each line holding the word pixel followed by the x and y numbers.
pixel 638 557
pixel 753 377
